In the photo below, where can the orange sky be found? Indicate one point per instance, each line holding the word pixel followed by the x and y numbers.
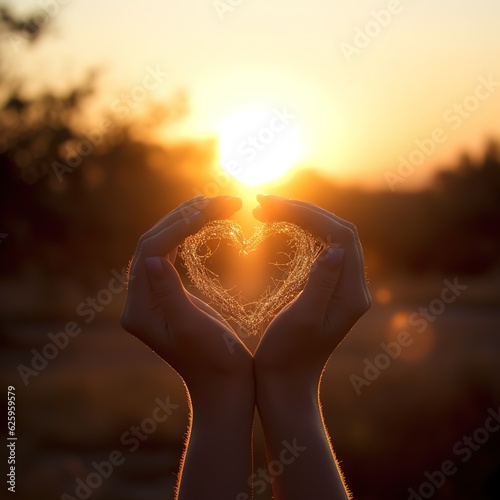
pixel 368 83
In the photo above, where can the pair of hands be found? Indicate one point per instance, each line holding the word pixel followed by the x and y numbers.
pixel 191 337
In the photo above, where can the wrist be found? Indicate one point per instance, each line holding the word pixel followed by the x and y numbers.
pixel 223 395
pixel 293 382
pixel 219 447
pixel 278 396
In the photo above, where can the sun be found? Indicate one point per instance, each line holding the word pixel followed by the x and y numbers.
pixel 260 144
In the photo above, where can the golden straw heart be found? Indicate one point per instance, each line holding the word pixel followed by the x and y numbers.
pixel 249 317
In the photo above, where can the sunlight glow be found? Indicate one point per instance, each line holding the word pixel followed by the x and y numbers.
pixel 260 144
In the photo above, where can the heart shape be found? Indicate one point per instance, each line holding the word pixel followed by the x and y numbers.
pixel 250 316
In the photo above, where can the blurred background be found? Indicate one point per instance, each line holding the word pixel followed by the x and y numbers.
pixel 385 113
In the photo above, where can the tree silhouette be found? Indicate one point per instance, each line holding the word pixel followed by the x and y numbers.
pixel 76 198
pixel 74 201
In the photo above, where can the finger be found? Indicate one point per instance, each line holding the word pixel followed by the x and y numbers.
pixel 167 287
pixel 329 240
pixel 145 288
pixel 165 243
pixel 172 255
pixel 166 240
pixel 317 208
pixel 319 223
pixel 186 208
pixel 328 214
pixel 211 207
pixel 208 309
pixel 323 279
pixel 353 228
pixel 219 207
pixel 327 228
pixel 171 237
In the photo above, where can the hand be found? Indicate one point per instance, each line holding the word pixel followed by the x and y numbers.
pixel 192 338
pixel 295 347
pixel 184 331
pixel 301 338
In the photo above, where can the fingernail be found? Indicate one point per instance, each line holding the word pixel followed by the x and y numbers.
pixel 153 265
pixel 334 256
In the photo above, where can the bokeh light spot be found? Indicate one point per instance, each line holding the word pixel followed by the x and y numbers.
pixel 383 295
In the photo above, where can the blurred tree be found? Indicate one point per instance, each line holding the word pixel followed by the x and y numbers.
pixel 76 197
pixel 451 228
pixel 31 132
pixel 470 214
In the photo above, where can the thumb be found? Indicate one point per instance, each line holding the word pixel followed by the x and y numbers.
pixel 323 279
pixel 167 286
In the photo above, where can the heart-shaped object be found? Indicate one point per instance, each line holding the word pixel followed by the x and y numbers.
pixel 251 316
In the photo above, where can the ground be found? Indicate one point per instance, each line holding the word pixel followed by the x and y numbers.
pixel 392 426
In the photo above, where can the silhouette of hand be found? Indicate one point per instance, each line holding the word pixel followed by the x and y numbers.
pixel 188 334
pixel 191 337
pixel 301 338
pixel 296 345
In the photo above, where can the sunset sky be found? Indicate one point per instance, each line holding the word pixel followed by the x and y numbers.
pixel 356 102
